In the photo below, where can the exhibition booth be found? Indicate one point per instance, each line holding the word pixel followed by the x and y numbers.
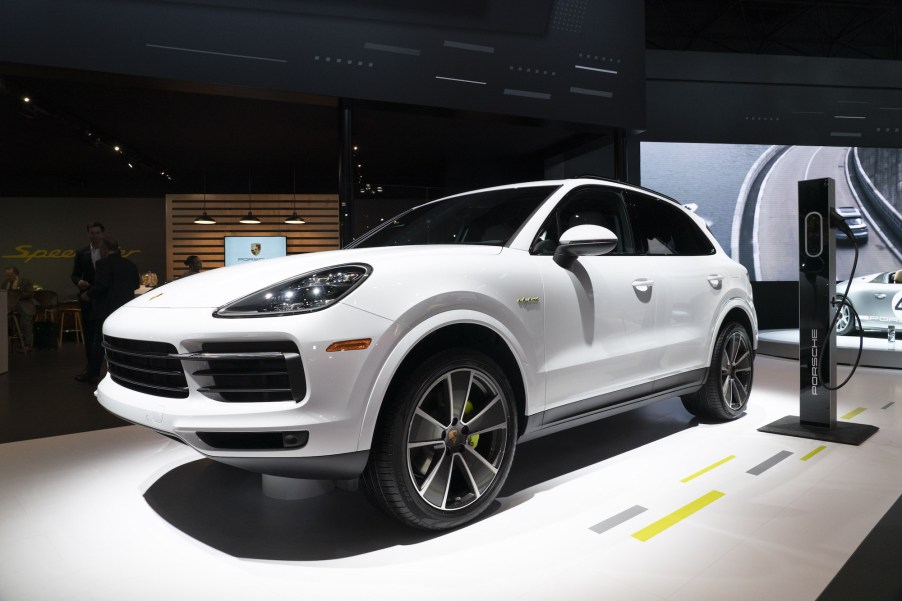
pixel 300 127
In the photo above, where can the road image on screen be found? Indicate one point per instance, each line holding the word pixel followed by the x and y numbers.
pixel 748 195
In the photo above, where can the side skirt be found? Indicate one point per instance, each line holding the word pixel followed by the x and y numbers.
pixel 607 405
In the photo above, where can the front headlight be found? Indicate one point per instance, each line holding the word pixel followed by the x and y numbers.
pixel 302 294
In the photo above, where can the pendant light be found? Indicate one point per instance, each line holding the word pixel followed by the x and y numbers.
pixel 294 218
pixel 205 219
pixel 249 219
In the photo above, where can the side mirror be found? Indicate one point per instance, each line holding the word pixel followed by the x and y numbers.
pixel 584 240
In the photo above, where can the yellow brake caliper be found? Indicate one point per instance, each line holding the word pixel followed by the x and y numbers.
pixel 472 439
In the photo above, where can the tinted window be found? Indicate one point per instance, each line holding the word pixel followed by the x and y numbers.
pixel 489 218
pixel 662 228
pixel 593 205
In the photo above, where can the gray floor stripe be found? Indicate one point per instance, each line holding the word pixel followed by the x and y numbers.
pixel 890 404
pixel 617 519
pixel 763 467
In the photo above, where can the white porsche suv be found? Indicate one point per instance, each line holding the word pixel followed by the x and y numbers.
pixel 420 356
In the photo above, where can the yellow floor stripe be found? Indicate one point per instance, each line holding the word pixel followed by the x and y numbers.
pixel 852 413
pixel 708 469
pixel 813 453
pixel 677 516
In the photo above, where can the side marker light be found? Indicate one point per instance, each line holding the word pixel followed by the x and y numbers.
pixel 349 345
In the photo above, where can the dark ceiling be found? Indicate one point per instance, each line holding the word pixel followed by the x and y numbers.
pixel 827 28
pixel 173 136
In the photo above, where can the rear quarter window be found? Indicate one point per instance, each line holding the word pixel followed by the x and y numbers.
pixel 661 227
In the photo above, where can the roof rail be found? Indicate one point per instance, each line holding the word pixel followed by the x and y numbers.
pixel 604 179
pixel 617 181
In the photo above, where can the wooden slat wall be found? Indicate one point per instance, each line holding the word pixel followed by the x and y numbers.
pixel 184 237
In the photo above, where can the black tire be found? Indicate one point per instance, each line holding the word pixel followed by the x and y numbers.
pixel 445 443
pixel 726 390
pixel 845 323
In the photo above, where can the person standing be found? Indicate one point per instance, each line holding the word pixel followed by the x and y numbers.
pixel 115 281
pixel 25 309
pixel 83 277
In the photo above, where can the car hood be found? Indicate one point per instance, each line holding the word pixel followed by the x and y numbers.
pixel 217 287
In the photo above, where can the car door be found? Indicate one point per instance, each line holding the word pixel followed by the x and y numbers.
pixel 689 281
pixel 879 304
pixel 600 341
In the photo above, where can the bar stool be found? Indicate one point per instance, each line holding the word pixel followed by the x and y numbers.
pixel 72 311
pixel 47 304
pixel 12 320
pixel 15 332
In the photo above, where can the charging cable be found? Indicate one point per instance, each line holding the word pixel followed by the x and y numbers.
pixel 837 221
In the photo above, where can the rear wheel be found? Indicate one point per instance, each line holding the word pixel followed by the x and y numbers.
pixel 446 442
pixel 845 323
pixel 726 390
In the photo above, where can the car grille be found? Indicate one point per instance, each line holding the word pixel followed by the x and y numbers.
pixel 242 372
pixel 252 371
pixel 148 367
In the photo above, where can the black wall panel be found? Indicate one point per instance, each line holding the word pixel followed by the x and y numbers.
pixel 572 60
pixel 758 99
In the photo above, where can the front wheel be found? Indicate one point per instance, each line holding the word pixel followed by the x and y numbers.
pixel 446 442
pixel 726 390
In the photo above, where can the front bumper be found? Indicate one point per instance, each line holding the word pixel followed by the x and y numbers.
pixel 316 435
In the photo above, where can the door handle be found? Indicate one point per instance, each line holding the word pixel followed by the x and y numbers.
pixel 716 280
pixel 643 285
pixel 880 295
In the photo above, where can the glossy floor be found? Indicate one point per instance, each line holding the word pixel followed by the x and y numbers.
pixel 649 505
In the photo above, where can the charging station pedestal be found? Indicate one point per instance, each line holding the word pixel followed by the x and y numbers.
pixel 817 344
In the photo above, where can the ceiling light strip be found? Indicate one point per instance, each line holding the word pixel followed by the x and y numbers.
pixel 481 83
pixel 392 49
pixel 196 51
pixel 591 92
pixel 470 47
pixel 527 94
pixel 596 69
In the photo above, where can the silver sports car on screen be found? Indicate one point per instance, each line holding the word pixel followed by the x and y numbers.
pixel 877 298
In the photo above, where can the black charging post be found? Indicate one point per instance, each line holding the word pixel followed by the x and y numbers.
pixel 817 341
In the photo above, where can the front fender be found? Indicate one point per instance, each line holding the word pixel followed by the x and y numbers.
pixel 408 339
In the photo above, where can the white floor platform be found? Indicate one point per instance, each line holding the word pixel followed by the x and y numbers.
pixel 125 514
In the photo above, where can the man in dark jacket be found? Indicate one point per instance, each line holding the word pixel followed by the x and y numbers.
pixel 115 281
pixel 83 278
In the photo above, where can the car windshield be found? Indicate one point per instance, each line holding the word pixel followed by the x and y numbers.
pixel 488 218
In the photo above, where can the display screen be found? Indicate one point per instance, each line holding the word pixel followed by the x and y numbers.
pixel 748 196
pixel 242 249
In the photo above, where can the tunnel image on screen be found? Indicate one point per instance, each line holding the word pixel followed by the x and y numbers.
pixel 748 196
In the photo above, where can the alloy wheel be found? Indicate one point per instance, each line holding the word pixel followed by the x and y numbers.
pixel 456 438
pixel 736 371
